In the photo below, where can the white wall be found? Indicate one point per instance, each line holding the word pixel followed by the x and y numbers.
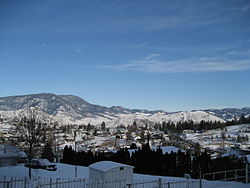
pixel 113 174
pixel 95 174
pixel 117 174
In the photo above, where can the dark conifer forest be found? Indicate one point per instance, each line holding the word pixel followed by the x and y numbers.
pixel 201 126
pixel 147 161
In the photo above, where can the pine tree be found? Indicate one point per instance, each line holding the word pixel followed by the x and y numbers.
pixel 242 119
pixel 103 126
pixel 48 152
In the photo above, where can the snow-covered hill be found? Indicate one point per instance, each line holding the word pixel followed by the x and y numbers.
pixel 145 118
pixel 69 109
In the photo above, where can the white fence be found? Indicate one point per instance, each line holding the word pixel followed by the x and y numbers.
pixel 15 182
pixel 59 183
pixel 163 183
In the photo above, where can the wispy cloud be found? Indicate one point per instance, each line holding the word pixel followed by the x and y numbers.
pixel 77 48
pixel 139 45
pixel 238 53
pixel 201 64
pixel 242 8
pixel 151 56
pixel 151 23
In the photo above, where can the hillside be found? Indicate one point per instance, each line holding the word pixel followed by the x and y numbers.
pixel 73 109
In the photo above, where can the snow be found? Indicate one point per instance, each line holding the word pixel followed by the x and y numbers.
pixel 105 166
pixel 8 151
pixel 165 149
pixel 248 157
pixel 212 138
pixel 68 171
pixel 113 120
pixel 168 149
pixel 8 154
pixel 63 171
pixel 177 182
pixel 131 151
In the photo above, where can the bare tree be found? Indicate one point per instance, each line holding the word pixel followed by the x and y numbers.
pixel 33 130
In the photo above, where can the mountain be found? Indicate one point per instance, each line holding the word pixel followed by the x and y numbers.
pixel 68 109
pixel 229 113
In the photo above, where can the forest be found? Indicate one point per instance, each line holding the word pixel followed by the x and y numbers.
pixel 147 161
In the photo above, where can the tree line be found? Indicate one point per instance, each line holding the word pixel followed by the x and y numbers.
pixel 155 162
pixel 179 127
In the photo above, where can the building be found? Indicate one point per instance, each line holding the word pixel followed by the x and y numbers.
pixel 111 171
pixel 8 155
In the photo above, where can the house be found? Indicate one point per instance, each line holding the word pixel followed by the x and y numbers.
pixel 237 151
pixel 8 155
pixel 111 171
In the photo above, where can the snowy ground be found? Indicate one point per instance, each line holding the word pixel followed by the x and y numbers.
pixel 68 171
pixel 212 138
pixel 63 171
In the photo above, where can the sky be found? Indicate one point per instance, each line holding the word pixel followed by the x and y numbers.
pixel 172 55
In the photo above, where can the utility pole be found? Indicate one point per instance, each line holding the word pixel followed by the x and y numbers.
pixel 200 175
pixel 57 147
pixel 75 154
pixel 247 169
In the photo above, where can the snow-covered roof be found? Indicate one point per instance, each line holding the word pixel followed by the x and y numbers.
pixel 8 154
pixel 22 154
pixel 7 150
pixel 105 166
pixel 168 149
pixel 165 149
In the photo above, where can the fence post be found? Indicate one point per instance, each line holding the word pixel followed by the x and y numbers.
pixel 129 185
pixel 247 172
pixel 200 179
pixel 4 181
pixel 15 181
pixel 50 182
pixel 57 182
pixel 159 182
pixel 11 181
pixel 187 183
pixel 25 182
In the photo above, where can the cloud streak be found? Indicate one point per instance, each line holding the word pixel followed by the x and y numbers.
pixel 201 64
pixel 77 48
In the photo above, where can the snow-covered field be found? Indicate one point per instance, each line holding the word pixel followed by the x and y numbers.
pixel 212 138
pixel 63 171
pixel 68 171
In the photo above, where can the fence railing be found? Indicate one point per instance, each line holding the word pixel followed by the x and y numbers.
pixel 229 175
pixel 15 182
pixel 188 183
pixel 163 183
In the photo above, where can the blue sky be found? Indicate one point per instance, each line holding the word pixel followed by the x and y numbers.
pixel 170 55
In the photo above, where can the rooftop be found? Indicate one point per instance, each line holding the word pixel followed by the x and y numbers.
pixel 105 166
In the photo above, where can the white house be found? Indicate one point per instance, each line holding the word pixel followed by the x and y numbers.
pixel 8 155
pixel 111 171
